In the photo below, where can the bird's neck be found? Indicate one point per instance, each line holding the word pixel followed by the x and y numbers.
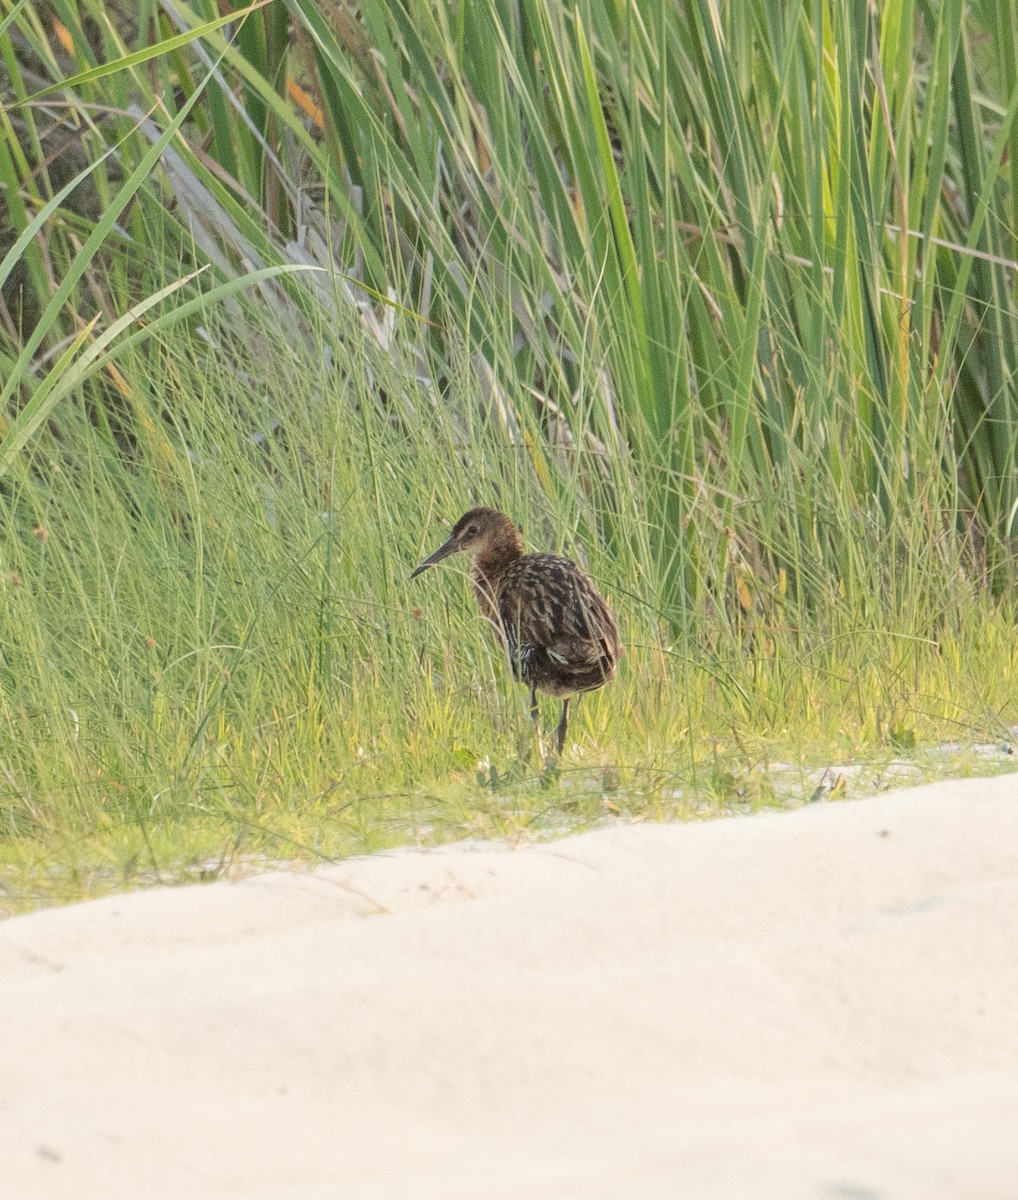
pixel 488 570
pixel 490 566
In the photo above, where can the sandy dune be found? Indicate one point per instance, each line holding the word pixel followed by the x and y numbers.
pixel 819 1004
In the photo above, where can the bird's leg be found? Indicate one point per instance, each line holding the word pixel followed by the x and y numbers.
pixel 563 725
pixel 535 712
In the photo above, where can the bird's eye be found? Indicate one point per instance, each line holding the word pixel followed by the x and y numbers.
pixel 471 531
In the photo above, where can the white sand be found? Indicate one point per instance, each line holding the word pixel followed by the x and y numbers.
pixel 817 1004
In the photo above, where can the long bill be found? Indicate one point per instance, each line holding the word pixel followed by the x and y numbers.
pixel 450 547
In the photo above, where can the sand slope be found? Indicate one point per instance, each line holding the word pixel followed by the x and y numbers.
pixel 819 1004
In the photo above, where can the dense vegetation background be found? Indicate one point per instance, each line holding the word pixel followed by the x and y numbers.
pixel 717 297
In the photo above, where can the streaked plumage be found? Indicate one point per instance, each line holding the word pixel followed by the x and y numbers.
pixel 559 634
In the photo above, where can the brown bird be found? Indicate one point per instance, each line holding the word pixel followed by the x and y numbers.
pixel 559 633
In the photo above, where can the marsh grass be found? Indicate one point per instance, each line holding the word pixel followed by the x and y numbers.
pixel 285 294
pixel 214 657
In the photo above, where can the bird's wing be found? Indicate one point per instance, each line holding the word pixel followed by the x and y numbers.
pixel 547 605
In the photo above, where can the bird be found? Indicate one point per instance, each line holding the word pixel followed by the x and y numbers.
pixel 556 628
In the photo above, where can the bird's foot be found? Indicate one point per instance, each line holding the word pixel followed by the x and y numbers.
pixel 529 751
pixel 550 774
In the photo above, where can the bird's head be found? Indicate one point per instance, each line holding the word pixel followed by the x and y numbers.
pixel 483 533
